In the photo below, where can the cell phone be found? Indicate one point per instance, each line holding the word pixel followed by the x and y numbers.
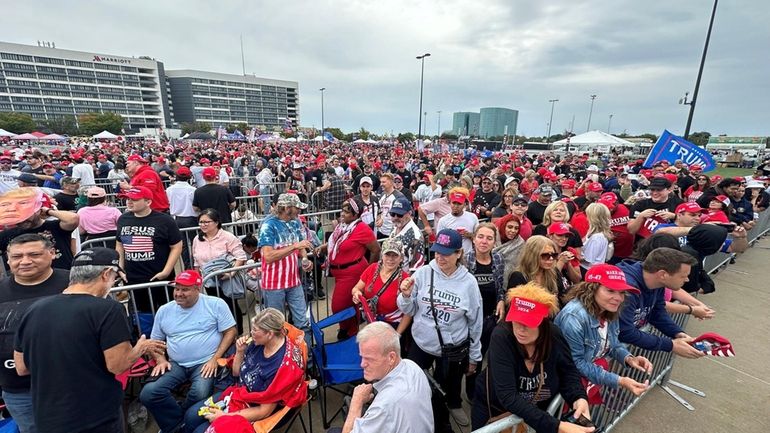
pixel 581 421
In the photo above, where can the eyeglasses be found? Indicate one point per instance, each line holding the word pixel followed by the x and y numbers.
pixel 203 223
pixel 549 256
pixel 520 203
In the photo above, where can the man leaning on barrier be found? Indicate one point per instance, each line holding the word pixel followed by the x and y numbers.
pixel 402 403
pixel 663 268
pixel 198 330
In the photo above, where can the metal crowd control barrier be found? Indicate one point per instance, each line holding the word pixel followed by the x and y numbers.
pixel 130 302
pixel 512 421
pixel 617 403
pixel 217 290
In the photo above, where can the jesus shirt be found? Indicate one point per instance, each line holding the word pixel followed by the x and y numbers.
pixel 146 244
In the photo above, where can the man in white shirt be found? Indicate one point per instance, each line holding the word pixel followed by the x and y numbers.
pixel 265 180
pixel 383 222
pixel 7 175
pixel 83 171
pixel 403 400
pixel 461 220
pixel 180 197
pixel 427 191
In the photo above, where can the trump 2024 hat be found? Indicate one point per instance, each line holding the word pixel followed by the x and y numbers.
pixel 447 242
pixel 527 312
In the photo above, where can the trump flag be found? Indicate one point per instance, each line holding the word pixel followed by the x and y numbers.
pixel 671 147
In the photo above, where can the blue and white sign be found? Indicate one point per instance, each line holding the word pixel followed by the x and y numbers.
pixel 671 147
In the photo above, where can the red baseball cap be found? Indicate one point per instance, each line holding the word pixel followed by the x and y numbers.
pixel 136 158
pixel 184 171
pixel 568 183
pixel 689 207
pixel 205 161
pixel 138 193
pixel 723 198
pixel 696 167
pixel 457 197
pixel 209 173
pixel 608 199
pixel 188 278
pixel 595 187
pixel 559 229
pixel 527 312
pixel 611 277
pixel 716 217
pixel 671 177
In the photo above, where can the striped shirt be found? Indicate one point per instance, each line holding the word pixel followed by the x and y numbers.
pixel 276 233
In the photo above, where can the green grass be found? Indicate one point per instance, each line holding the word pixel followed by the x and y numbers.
pixel 731 172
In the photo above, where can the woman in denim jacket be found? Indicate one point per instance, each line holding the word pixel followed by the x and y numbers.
pixel 589 323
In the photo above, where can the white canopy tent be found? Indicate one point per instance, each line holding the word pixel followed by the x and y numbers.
pixel 594 139
pixel 4 133
pixel 105 135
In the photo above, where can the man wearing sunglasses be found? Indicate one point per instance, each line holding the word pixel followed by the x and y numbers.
pixel 486 199
pixel 7 175
pixel 405 230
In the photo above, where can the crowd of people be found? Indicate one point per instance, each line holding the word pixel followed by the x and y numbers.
pixel 518 277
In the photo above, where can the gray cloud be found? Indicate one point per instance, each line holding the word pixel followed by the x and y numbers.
pixel 638 57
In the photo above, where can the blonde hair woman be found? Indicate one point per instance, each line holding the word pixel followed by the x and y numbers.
pixel 537 263
pixel 558 212
pixel 598 243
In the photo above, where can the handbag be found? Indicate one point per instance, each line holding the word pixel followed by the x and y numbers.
pixel 450 352
pixel 373 301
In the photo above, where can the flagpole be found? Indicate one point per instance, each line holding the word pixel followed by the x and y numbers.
pixel 700 73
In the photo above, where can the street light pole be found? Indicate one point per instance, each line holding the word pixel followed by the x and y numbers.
pixel 422 76
pixel 322 113
pixel 590 112
pixel 700 73
pixel 438 132
pixel 548 137
pixel 609 124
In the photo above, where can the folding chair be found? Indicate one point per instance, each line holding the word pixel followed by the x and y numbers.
pixel 336 363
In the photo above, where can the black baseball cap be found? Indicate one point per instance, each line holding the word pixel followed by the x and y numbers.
pixel 660 182
pixel 97 256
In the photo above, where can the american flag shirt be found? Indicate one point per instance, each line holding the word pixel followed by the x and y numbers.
pixel 276 233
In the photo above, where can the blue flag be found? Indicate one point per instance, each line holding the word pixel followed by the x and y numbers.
pixel 671 147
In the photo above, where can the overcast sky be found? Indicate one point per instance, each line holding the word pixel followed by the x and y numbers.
pixel 638 57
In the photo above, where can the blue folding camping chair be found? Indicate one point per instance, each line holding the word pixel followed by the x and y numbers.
pixel 337 363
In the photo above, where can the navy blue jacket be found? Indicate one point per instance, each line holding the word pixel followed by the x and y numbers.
pixel 647 307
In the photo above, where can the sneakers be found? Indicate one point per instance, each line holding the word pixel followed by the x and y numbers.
pixel 460 416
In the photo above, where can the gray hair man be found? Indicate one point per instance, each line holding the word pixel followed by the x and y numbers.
pixel 403 401
pixel 91 339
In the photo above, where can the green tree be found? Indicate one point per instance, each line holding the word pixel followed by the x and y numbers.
pixel 448 136
pixel 94 123
pixel 243 126
pixel 17 122
pixel 66 125
pixel 405 136
pixel 190 127
pixel 363 134
pixel 699 138
pixel 653 137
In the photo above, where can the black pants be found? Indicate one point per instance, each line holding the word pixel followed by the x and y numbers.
pixel 449 377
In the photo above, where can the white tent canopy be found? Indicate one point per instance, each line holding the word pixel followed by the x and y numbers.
pixel 105 135
pixel 4 133
pixel 595 138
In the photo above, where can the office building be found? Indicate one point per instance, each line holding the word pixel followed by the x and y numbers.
pixel 51 82
pixel 465 123
pixel 221 99
pixel 498 122
pixel 48 82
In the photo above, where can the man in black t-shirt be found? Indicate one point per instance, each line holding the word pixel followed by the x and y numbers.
pixel 72 345
pixel 29 257
pixel 58 231
pixel 660 208
pixel 149 244
pixel 485 200
pixel 67 198
pixel 536 208
pixel 214 196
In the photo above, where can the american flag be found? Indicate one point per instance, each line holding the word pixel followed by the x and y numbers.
pixel 137 244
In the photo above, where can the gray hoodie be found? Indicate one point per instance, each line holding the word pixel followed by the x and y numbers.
pixel 458 309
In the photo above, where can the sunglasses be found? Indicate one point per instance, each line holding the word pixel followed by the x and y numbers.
pixel 395 215
pixel 656 189
pixel 520 203
pixel 549 256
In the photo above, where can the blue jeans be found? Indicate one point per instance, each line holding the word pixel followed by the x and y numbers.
pixel 194 422
pixel 265 191
pixel 157 398
pixel 20 406
pixel 295 298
